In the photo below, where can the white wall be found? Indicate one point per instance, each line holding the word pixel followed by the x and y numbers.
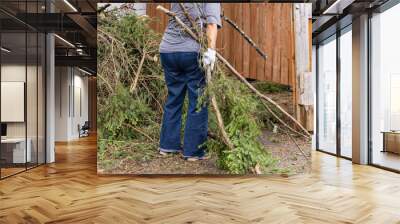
pixel 79 118
pixel 34 125
pixel 62 81
pixel 69 82
pixel 12 73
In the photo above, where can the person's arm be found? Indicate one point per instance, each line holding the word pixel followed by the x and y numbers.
pixel 212 33
pixel 213 21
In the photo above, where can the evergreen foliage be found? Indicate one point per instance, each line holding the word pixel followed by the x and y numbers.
pixel 131 95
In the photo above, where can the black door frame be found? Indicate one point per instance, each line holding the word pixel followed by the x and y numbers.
pixel 339 32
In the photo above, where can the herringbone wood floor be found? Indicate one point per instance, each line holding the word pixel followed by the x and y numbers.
pixel 70 191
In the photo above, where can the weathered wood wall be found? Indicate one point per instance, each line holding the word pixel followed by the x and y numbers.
pixel 269 25
pixel 303 91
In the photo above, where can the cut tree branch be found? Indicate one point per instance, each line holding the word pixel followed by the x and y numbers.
pixel 214 103
pixel 220 121
pixel 139 70
pixel 235 72
pixel 194 26
pixel 245 36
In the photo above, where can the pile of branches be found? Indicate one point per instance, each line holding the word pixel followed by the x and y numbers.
pixel 131 92
pixel 131 89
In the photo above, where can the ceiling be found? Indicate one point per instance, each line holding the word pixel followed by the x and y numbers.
pixel 330 15
pixel 74 22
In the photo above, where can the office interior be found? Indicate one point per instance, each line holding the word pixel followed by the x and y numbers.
pixel 48 80
pixel 358 83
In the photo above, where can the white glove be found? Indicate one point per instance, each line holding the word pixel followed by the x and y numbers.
pixel 209 58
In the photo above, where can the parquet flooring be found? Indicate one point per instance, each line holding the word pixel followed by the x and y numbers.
pixel 70 191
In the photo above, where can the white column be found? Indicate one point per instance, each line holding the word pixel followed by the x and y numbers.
pixel 50 94
pixel 360 90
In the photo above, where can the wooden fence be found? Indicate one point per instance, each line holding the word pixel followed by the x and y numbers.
pixel 269 25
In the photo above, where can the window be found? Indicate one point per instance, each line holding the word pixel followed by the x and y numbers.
pixel 385 89
pixel 346 92
pixel 327 96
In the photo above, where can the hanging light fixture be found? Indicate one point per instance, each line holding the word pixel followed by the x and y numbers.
pixel 64 40
pixel 5 50
pixel 70 5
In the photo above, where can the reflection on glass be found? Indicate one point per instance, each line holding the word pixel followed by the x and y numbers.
pixel 346 94
pixel 386 89
pixel 41 99
pixel 327 96
pixel 14 153
pixel 31 99
pixel 22 89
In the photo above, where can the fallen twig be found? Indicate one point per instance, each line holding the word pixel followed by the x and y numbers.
pixel 282 122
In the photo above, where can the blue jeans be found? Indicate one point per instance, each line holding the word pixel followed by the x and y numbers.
pixel 183 74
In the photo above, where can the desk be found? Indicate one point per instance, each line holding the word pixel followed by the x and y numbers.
pixel 17 150
pixel 391 141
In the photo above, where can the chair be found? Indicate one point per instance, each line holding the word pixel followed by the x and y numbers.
pixel 84 130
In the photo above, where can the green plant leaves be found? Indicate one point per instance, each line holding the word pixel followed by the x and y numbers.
pixel 129 119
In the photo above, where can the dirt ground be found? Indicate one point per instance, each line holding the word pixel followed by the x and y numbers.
pixel 171 164
pixel 285 150
pixel 281 146
pixel 289 157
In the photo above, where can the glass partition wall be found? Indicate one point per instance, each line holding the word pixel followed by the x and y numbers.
pixel 334 104
pixel 345 62
pixel 385 89
pixel 22 77
pixel 327 95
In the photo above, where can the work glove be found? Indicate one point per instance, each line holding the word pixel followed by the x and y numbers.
pixel 209 58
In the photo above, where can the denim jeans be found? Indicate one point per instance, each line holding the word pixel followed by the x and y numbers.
pixel 183 74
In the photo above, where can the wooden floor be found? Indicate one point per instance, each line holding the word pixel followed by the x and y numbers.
pixel 387 159
pixel 70 191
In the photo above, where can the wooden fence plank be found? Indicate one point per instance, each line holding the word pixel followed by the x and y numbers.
pixel 246 46
pixel 253 34
pixel 271 28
